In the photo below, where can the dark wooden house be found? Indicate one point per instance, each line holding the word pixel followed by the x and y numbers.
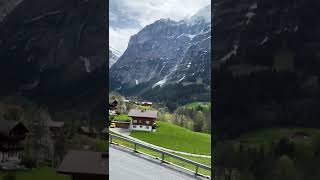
pixel 85 165
pixel 113 105
pixel 12 136
pixel 143 120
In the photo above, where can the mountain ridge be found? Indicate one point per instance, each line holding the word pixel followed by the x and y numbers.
pixel 163 53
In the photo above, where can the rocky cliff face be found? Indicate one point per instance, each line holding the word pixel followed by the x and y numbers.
pixel 6 6
pixel 165 53
pixel 54 52
pixel 266 64
pixel 114 55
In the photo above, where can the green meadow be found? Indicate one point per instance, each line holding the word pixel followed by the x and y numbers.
pixel 177 138
pixel 44 173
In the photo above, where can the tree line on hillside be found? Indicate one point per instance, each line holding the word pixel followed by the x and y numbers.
pixel 265 99
pixel 42 146
pixel 281 160
pixel 195 118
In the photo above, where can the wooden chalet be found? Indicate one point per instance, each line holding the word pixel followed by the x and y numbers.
pixel 55 127
pixel 143 120
pixel 113 105
pixel 85 165
pixel 12 136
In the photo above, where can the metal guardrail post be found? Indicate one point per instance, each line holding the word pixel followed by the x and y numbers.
pixel 110 139
pixel 197 168
pixel 135 147
pixel 162 158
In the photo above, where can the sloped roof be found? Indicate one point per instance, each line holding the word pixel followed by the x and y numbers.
pixel 145 113
pixel 84 162
pixel 88 130
pixel 6 126
pixel 55 124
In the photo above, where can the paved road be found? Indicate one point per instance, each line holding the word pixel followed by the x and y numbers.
pixel 124 164
pixel 126 133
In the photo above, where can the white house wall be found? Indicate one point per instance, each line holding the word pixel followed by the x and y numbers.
pixel 141 128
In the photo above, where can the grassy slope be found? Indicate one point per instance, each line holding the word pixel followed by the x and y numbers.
pixel 204 105
pixel 38 174
pixel 122 117
pixel 177 138
pixel 265 137
pixel 272 134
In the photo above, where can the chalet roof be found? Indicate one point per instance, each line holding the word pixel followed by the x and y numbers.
pixel 145 113
pixel 84 162
pixel 57 124
pixel 6 126
pixel 88 130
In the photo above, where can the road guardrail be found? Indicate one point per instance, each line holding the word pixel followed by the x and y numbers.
pixel 163 153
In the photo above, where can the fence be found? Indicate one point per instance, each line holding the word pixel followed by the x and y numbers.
pixel 163 154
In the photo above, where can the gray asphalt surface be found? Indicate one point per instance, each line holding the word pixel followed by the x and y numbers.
pixel 127 165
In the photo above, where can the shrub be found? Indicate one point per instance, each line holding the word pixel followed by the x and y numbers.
pixel 10 176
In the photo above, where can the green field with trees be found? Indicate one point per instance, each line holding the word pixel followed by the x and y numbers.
pixel 44 173
pixel 177 138
pixel 274 153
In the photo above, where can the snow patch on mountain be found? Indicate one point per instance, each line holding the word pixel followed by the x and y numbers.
pixel 86 63
pixel 203 14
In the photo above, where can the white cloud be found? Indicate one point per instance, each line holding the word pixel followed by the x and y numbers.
pixel 134 15
pixel 119 38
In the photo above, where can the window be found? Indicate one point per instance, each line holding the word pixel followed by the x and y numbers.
pixel 147 122
pixel 147 127
pixel 140 126
pixel 134 126
pixel 135 121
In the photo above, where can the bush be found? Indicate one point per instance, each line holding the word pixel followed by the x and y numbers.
pixel 9 176
pixel 28 162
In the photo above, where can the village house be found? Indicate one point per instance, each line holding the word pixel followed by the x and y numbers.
pixel 112 113
pixel 145 103
pixel 55 127
pixel 113 105
pixel 85 165
pixel 143 120
pixel 12 135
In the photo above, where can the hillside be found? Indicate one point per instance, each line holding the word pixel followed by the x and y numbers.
pixel 266 65
pixel 177 138
pixel 53 53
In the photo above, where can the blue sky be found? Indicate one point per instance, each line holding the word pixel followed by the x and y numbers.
pixel 127 17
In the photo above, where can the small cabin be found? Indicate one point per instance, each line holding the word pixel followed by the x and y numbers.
pixel 146 103
pixel 299 136
pixel 12 136
pixel 112 113
pixel 88 131
pixel 85 165
pixel 55 127
pixel 143 120
pixel 113 105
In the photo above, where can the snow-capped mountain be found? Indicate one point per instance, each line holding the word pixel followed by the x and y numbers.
pixel 166 52
pixel 266 55
pixel 53 52
pixel 114 55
